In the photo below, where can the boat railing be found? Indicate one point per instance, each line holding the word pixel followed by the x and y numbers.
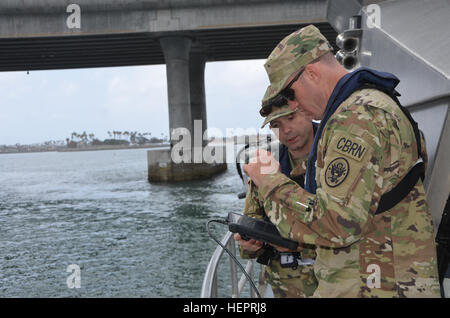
pixel 210 280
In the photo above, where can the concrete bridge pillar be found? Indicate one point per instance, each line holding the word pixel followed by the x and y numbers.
pixel 187 109
pixel 197 81
pixel 176 51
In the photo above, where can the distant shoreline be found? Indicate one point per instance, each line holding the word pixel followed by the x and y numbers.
pixel 62 148
pixel 90 148
pixel 94 148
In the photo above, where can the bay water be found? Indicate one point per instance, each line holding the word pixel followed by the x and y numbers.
pixel 97 211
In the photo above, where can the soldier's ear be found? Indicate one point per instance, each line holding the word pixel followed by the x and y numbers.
pixel 312 72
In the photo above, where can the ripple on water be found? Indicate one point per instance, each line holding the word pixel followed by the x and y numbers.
pixel 96 209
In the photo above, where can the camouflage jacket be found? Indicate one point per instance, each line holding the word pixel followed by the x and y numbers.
pixel 366 148
pixel 285 282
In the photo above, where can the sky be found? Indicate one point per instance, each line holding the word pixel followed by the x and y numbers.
pixel 50 105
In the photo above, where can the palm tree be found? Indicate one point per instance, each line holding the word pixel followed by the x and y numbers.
pixel 126 134
pixel 133 137
pixel 91 137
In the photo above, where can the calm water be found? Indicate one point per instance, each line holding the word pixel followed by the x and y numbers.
pixel 97 210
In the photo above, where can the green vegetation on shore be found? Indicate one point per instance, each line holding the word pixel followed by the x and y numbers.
pixel 85 141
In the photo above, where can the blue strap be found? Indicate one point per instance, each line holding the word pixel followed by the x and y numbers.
pixel 285 164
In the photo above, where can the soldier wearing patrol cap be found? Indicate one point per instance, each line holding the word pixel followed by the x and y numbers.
pixel 363 205
pixel 290 273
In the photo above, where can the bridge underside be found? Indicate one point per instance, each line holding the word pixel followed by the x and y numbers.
pixel 87 51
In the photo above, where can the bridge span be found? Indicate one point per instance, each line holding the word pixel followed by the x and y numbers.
pixel 55 34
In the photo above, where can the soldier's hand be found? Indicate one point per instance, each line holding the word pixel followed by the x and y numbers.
pixel 250 245
pixel 263 163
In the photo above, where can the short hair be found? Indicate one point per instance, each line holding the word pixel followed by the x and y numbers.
pixel 327 59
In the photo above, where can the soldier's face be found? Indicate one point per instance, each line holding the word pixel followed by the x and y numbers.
pixel 308 95
pixel 294 130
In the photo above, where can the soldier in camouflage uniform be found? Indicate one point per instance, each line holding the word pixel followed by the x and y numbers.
pixel 295 131
pixel 364 146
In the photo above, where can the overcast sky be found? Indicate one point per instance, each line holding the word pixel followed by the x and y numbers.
pixel 50 105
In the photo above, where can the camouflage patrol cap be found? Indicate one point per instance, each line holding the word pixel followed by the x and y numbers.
pixel 278 112
pixel 272 112
pixel 294 52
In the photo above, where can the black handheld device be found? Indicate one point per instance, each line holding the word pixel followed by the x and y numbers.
pixel 252 228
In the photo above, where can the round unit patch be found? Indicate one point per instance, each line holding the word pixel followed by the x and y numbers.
pixel 336 172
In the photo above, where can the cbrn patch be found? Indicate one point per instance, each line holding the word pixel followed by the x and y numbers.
pixel 336 172
pixel 350 147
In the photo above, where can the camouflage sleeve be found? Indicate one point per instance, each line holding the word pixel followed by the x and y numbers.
pixel 424 153
pixel 252 208
pixel 349 182
pixel 300 166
